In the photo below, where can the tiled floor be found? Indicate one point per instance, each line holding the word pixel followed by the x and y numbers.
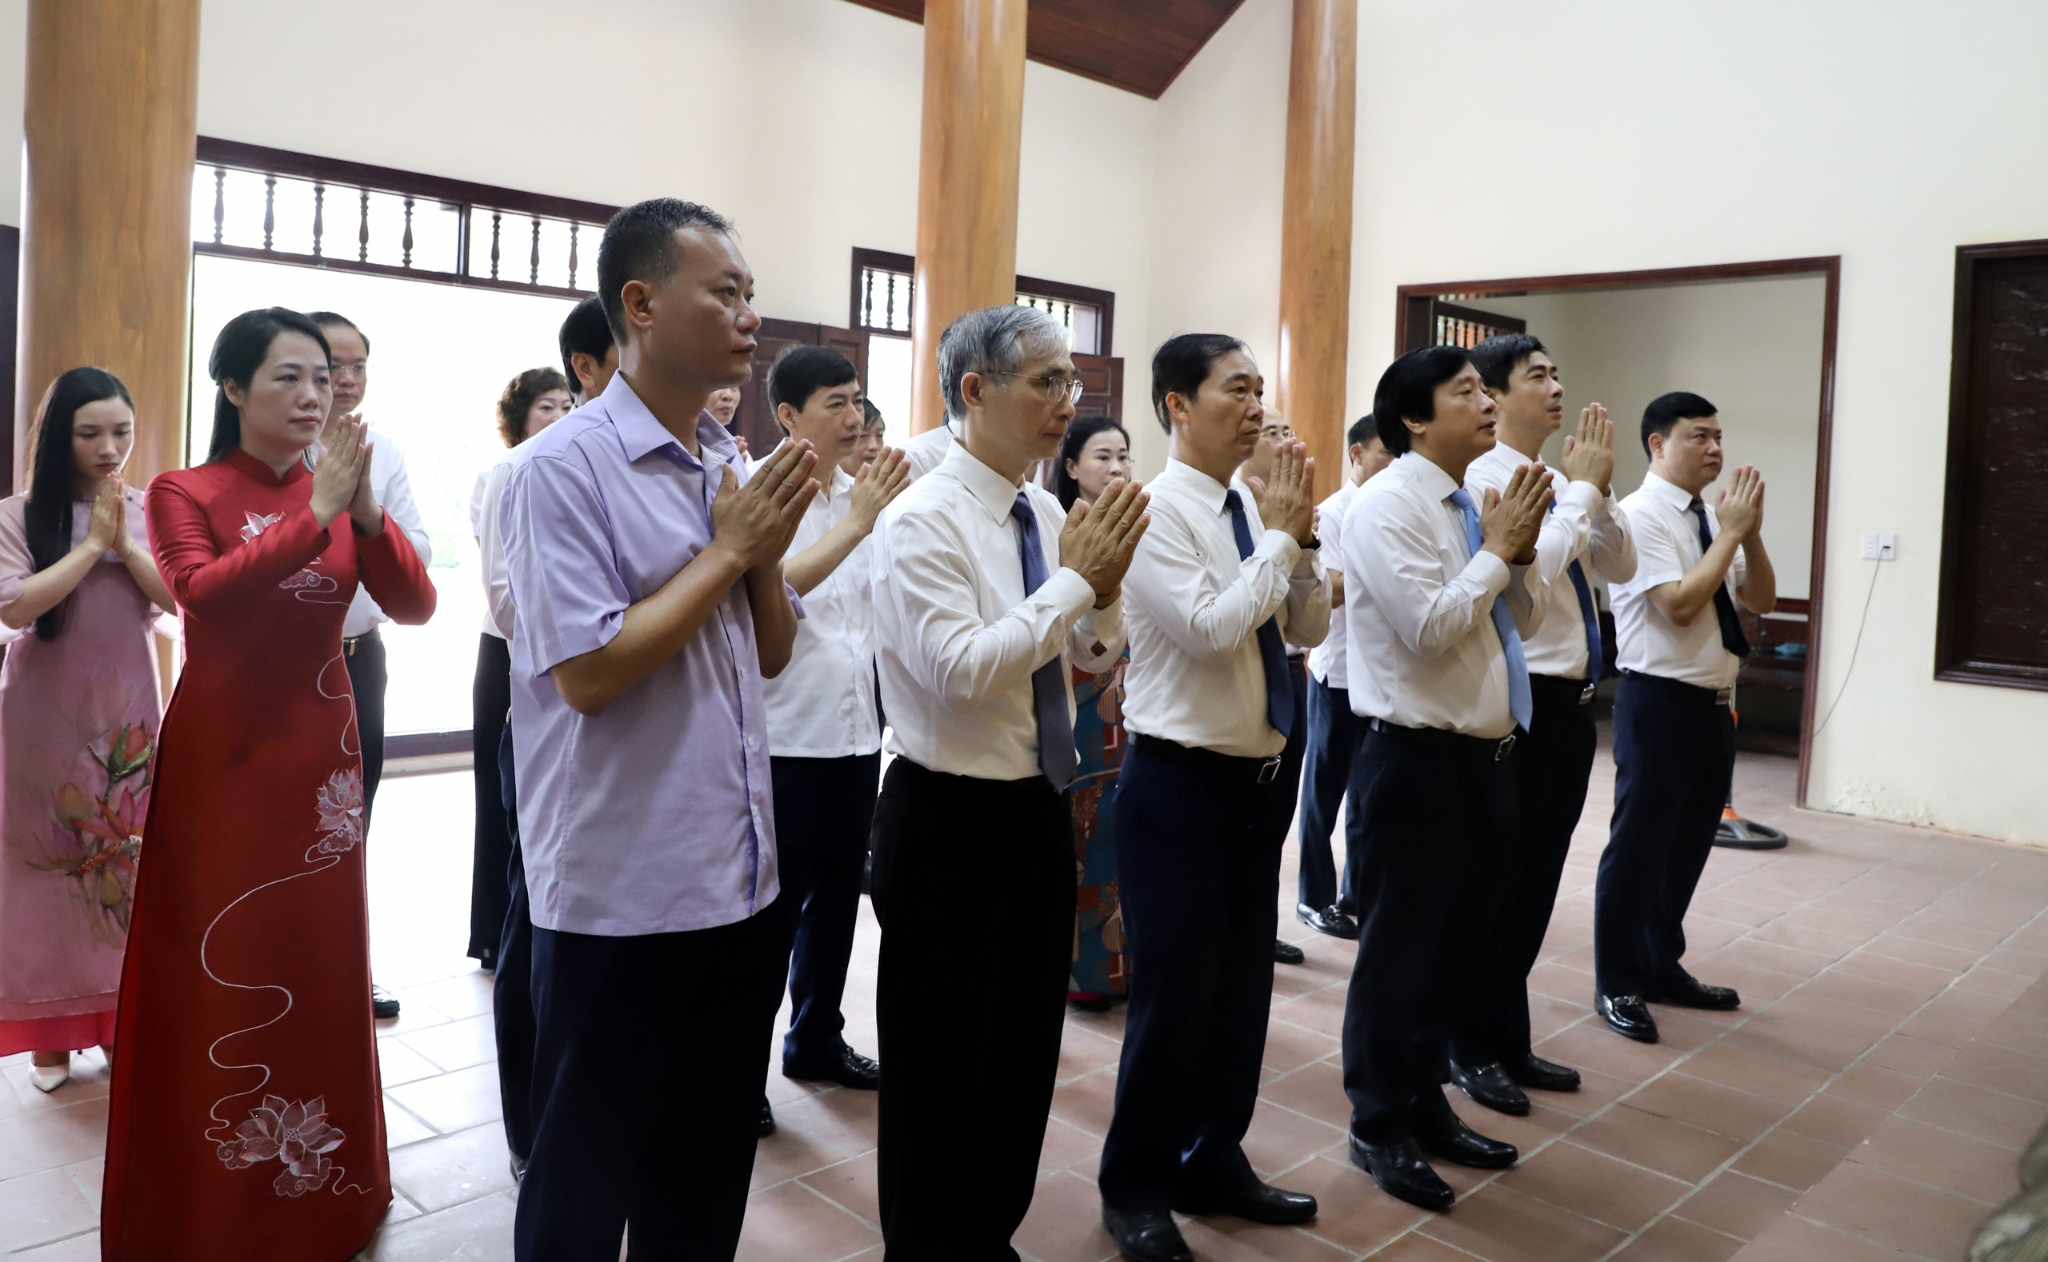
pixel 1867 1103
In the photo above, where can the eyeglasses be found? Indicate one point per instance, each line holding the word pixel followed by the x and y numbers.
pixel 1053 387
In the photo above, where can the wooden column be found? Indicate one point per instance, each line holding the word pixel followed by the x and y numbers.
pixel 1315 234
pixel 966 178
pixel 106 247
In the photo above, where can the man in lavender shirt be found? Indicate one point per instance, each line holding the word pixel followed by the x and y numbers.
pixel 646 574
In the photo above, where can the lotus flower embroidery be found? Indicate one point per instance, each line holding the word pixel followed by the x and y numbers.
pixel 340 803
pixel 295 1133
pixel 253 524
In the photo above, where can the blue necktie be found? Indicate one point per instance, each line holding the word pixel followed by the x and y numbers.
pixel 1594 661
pixel 1520 703
pixel 1272 655
pixel 1732 637
pixel 1056 755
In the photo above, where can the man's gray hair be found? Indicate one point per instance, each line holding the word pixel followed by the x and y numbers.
pixel 993 340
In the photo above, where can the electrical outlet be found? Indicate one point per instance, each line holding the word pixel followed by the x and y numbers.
pixel 1881 547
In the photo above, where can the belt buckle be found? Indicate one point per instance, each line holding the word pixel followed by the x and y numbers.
pixel 1586 693
pixel 1506 747
pixel 1269 770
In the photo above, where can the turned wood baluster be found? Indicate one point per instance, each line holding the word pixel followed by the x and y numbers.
pixel 269 208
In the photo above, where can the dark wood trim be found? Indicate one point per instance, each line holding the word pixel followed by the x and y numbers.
pixel 1187 61
pixel 881 260
pixel 889 260
pixel 430 276
pixel 1951 664
pixel 1476 315
pixel 427 744
pixel 1828 267
pixel 213 151
pixel 1794 606
pixel 1102 299
pixel 10 293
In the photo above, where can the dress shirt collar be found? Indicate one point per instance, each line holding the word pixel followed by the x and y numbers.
pixel 996 494
pixel 1506 458
pixel 262 472
pixel 1668 493
pixel 1427 475
pixel 640 433
pixel 829 488
pixel 1179 473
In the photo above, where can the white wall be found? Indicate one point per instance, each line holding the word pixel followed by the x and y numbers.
pixel 1751 347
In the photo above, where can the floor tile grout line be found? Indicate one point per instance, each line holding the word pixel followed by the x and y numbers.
pixel 857 1217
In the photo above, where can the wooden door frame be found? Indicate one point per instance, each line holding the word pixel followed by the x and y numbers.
pixel 1829 268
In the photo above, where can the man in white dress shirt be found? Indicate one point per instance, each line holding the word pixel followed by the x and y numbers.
pixel 1585 538
pixel 1324 903
pixel 1682 645
pixel 1222 582
pixel 986 594
pixel 1437 602
pixel 924 451
pixel 824 736
pixel 362 646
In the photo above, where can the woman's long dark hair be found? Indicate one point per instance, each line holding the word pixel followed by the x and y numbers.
pixel 1076 442
pixel 53 474
pixel 237 353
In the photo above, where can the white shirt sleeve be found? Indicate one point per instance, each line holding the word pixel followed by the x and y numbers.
pixel 1170 582
pixel 1393 552
pixel 396 496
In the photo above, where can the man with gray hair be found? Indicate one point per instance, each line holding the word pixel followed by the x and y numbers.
pixel 985 592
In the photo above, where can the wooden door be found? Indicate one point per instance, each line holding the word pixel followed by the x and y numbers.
pixel 1102 386
pixel 755 421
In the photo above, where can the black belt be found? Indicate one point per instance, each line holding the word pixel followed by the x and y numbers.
pixel 1449 741
pixel 1722 697
pixel 349 643
pixel 1568 691
pixel 1261 770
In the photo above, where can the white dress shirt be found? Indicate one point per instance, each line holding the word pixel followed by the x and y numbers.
pixel 1196 677
pixel 1667 539
pixel 925 452
pixel 1585 526
pixel 394 491
pixel 490 545
pixel 957 639
pixel 822 705
pixel 1418 604
pixel 1327 661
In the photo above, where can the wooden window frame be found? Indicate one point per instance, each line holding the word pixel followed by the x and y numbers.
pixel 888 260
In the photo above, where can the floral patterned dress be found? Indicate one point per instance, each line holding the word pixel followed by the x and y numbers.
pixel 1101 964
pixel 78 720
pixel 246 1118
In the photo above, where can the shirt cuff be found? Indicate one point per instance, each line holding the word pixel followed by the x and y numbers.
pixel 1280 546
pixel 1492 572
pixel 1068 591
pixel 1582 495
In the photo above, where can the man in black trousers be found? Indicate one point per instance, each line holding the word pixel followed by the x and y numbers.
pixel 1682 645
pixel 1437 600
pixel 1226 577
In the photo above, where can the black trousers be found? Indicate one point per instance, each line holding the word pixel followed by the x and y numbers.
pixel 1552 762
pixel 512 985
pixel 974 886
pixel 662 1154
pixel 824 813
pixel 1674 756
pixel 1333 736
pixel 1434 812
pixel 368 676
pixel 1198 868
pixel 490 697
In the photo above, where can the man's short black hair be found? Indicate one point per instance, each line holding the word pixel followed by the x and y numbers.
pixel 586 332
pixel 1182 364
pixel 640 244
pixel 1497 357
pixel 334 319
pixel 1667 410
pixel 1361 431
pixel 1407 391
pixel 802 371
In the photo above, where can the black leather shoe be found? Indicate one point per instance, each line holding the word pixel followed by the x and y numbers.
pixel 1146 1235
pixel 1402 1172
pixel 1628 1016
pixel 1490 1085
pixel 383 1004
pixel 1255 1202
pixel 1329 920
pixel 1287 953
pixel 1532 1071
pixel 1446 1136
pixel 766 1126
pixel 1684 990
pixel 848 1069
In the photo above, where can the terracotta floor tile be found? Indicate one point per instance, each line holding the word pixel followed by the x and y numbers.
pixel 1083 1052
pixel 815 1133
pixel 1594 1046
pixel 1316 1089
pixel 1353 1212
pixel 1595 1186
pixel 1596 1090
pixel 1792 1239
pixel 1709 1106
pixel 42 1207
pixel 1877 1086
pixel 1941 1159
pixel 1770 956
pixel 2001 1069
pixel 1677 1240
pixel 1910 1055
pixel 1737 1205
pixel 1748 1062
pixel 1235 1240
pixel 1888 1210
pixel 1793 1160
pixel 1319 1010
pixel 1069 1148
pixel 1834 1120
pixel 1280 1139
pixel 1087 1102
pixel 1673 1148
pixel 398 1063
pixel 1559 981
pixel 46 1139
pixel 454 1101
pixel 1897 946
pixel 1065 1221
pixel 1290 1046
pixel 791 1221
pixel 1985 1115
pixel 457 1044
pixel 1502 1226
pixel 1895 1001
pixel 479 1230
pixel 1409 1248
pixel 452 1169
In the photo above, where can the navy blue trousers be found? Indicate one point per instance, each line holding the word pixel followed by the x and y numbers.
pixel 824 811
pixel 1333 736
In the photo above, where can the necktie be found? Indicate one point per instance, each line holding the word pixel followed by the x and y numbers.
pixel 1056 755
pixel 1520 702
pixel 1732 637
pixel 1279 688
pixel 1592 616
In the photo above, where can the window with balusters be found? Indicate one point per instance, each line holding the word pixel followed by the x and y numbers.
pixel 885 293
